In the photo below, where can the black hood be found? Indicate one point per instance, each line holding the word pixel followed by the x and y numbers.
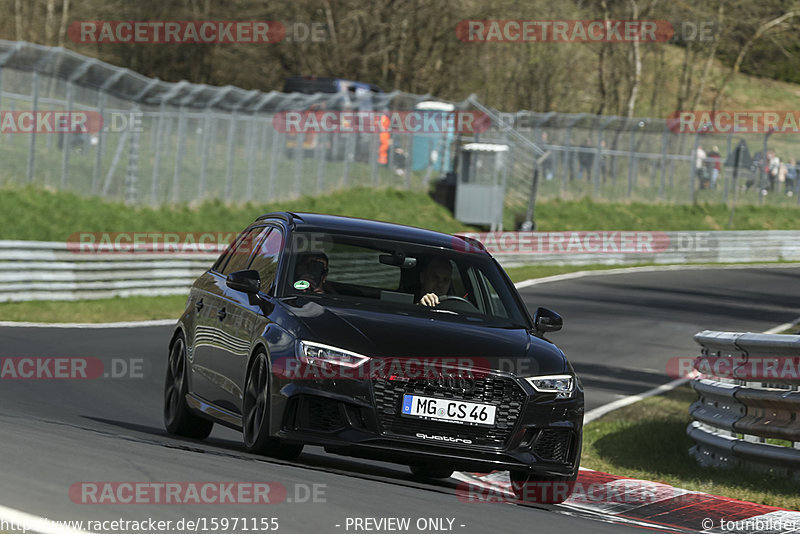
pixel 386 333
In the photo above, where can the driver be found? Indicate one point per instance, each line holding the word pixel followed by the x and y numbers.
pixel 313 268
pixel 434 281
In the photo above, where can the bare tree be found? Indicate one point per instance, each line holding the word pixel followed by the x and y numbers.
pixel 62 28
pixel 762 28
pixel 50 22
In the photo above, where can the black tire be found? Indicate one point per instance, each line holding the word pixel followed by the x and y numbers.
pixel 178 419
pixel 255 415
pixel 531 488
pixel 431 471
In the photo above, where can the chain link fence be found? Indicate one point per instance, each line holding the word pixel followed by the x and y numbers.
pixel 180 142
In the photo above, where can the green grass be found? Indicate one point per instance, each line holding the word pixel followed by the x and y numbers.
pixel 34 213
pixel 94 311
pixel 585 214
pixel 647 440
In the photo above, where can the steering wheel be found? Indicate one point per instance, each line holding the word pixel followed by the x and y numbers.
pixel 456 303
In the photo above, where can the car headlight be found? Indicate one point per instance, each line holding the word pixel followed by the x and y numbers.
pixel 562 385
pixel 319 354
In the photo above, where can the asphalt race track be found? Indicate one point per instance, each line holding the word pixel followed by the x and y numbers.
pixel 619 331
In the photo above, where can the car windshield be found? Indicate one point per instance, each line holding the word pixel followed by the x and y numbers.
pixel 395 274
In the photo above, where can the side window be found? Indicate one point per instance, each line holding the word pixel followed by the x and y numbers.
pixel 239 255
pixel 267 257
pixel 495 303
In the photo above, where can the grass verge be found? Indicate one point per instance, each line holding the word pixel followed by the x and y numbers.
pixel 94 311
pixel 647 440
pixel 34 213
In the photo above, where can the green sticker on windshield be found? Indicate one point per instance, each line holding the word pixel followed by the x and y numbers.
pixel 302 285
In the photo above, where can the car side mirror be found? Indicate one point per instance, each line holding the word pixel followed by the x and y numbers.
pixel 245 281
pixel 546 320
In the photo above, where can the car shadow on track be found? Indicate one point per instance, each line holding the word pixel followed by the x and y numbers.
pixel 312 457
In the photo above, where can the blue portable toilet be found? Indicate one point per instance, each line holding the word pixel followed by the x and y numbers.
pixel 432 150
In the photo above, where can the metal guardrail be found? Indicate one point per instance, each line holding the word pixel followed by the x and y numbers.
pixel 627 248
pixel 748 395
pixel 36 270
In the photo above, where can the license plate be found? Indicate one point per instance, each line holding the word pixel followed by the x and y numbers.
pixel 452 411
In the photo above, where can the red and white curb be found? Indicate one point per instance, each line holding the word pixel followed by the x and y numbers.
pixel 644 502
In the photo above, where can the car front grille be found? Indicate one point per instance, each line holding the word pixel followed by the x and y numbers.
pixel 553 444
pixel 502 392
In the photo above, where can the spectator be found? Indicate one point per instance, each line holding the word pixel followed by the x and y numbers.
pixel 715 164
pixel 700 159
pixel 586 160
pixel 791 176
pixel 774 168
pixel 758 165
pixel 549 162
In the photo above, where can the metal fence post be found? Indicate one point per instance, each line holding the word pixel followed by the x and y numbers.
pixel 102 136
pixel 35 106
pixel 632 163
pixel 273 166
pixel 252 143
pixel 230 154
pixel 132 176
pixel 599 162
pixel 692 166
pixel 728 149
pixel 157 158
pixel 67 145
pixel 179 152
pixel 3 60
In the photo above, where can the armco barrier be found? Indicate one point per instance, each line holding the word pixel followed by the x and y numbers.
pixel 756 400
pixel 587 248
pixel 34 270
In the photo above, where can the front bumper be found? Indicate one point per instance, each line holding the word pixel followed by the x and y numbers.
pixel 532 431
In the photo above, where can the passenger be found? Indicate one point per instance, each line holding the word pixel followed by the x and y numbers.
pixel 434 281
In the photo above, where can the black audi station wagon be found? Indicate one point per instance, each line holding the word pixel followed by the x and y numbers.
pixel 374 340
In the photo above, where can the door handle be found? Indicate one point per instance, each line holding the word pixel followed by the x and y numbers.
pixel 221 313
pixel 199 305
